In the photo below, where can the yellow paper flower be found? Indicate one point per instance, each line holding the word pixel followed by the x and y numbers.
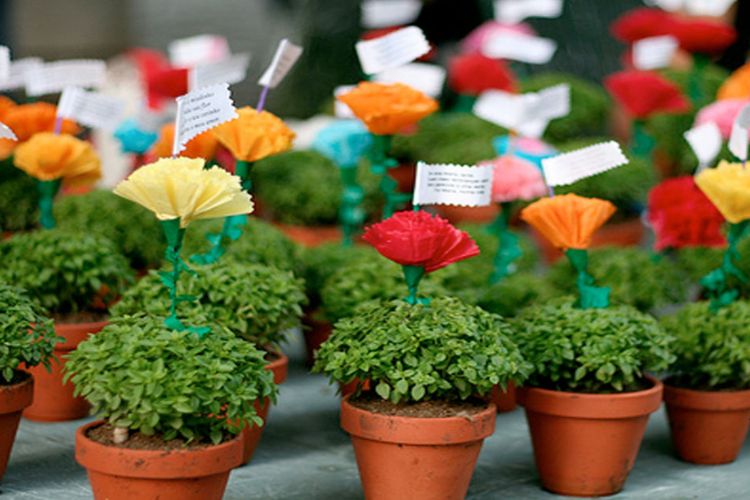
pixel 47 157
pixel 253 136
pixel 728 187
pixel 180 187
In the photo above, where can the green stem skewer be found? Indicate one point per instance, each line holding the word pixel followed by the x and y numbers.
pixel 589 295
pixel 381 163
pixel 413 275
pixel 508 249
pixel 47 192
pixel 716 283
pixel 351 214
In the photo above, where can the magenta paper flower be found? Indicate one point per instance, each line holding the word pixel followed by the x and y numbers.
pixel 722 113
pixel 475 40
pixel 515 179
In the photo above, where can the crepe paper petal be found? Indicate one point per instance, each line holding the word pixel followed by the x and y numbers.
pixel 526 148
pixel 728 187
pixel 568 220
pixel 181 188
pixel 472 74
pixel 703 36
pixel 722 113
pixel 737 86
pixel 166 84
pixel 387 109
pixel 48 157
pixel 682 216
pixel 6 103
pixel 25 120
pixel 644 93
pixel 133 138
pixel 515 179
pixel 344 142
pixel 641 23
pixel 475 40
pixel 253 136
pixel 201 146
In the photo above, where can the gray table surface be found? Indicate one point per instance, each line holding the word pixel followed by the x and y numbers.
pixel 305 455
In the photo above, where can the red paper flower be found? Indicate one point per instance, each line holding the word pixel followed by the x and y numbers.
pixel 682 216
pixel 702 35
pixel 643 93
pixel 641 23
pixel 420 239
pixel 166 83
pixel 472 74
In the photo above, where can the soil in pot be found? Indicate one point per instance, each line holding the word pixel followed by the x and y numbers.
pixel 708 427
pixel 586 444
pixel 146 468
pixel 14 397
pixel 419 451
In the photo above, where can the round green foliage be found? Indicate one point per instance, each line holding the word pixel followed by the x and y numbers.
pixel 511 295
pixel 19 199
pixel 258 303
pixel 65 272
pixel 696 262
pixel 445 350
pixel 710 79
pixel 712 348
pixel 589 107
pixel 320 262
pixel 26 335
pixel 636 277
pixel 141 375
pixel 591 350
pixel 131 227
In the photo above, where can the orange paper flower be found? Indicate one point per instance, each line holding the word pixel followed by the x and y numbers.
pixel 6 103
pixel 26 120
pixel 253 136
pixel 201 146
pixel 48 157
pixel 387 109
pixel 569 220
pixel 737 86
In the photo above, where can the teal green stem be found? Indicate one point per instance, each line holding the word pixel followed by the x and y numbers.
pixel 508 247
pixel 380 163
pixel 464 103
pixel 642 144
pixel 695 87
pixel 413 275
pixel 718 283
pixel 351 213
pixel 47 192
pixel 589 295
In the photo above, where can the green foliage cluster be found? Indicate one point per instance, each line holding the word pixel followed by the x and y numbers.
pixel 712 348
pixel 258 303
pixel 320 262
pixel 511 295
pixel 696 262
pixel 65 272
pixel 446 350
pixel 141 375
pixel 26 335
pixel 591 350
pixel 19 198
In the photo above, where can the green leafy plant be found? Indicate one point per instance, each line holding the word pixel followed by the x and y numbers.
pixel 320 262
pixel 511 295
pixel 696 262
pixel 259 303
pixel 712 348
pixel 591 350
pixel 19 198
pixel 141 375
pixel 26 335
pixel 447 350
pixel 131 227
pixel 67 273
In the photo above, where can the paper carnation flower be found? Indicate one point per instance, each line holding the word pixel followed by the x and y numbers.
pixel 526 148
pixel 722 113
pixel 682 216
pixel 26 120
pixel 644 93
pixel 253 136
pixel 180 188
pixel 728 187
pixel 475 40
pixel 344 142
pixel 420 239
pixel 48 157
pixel 568 220
pixel 641 23
pixel 473 74
pixel 737 86
pixel 515 179
pixel 387 109
pixel 201 146
pixel 703 36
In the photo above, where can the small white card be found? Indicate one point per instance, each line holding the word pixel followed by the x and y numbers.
pixel 53 77
pixel 738 141
pixel 568 168
pixel 427 78
pixel 705 140
pixel 386 13
pixel 7 133
pixel 392 50
pixel 200 49
pixel 654 52
pixel 340 109
pixel 520 47
pixel 17 73
pixel 231 70
pixel 713 8
pixel 4 62
pixel 286 55
pixel 93 109
pixel 448 184
pixel 201 110
pixel 515 11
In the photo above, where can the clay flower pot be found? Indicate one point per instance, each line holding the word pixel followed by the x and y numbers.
pixel 311 236
pixel 586 444
pixel 53 400
pixel 504 400
pixel 457 214
pixel 13 399
pixel 252 433
pixel 416 458
pixel 180 474
pixel 315 332
pixel 708 427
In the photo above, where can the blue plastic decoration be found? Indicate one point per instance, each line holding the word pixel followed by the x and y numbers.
pixel 520 148
pixel 134 139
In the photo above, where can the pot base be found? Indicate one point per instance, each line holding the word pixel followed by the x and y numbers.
pixel 13 398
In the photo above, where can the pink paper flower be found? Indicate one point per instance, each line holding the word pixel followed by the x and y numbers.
pixel 475 40
pixel 723 113
pixel 515 179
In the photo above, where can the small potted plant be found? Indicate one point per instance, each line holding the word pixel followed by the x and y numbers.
pixel 28 340
pixel 19 200
pixel 421 429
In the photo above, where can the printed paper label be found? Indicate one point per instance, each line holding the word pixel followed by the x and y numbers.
pixel 568 168
pixel 200 49
pixel 448 184
pixel 427 78
pixel 286 55
pixel 53 77
pixel 17 73
pixel 738 141
pixel 654 52
pixel 4 62
pixel 386 13
pixel 520 47
pixel 705 140
pixel 515 11
pixel 392 50
pixel 93 109
pixel 7 133
pixel 201 110
pixel 232 70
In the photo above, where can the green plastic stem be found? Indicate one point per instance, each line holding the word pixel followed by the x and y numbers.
pixel 719 287
pixel 47 192
pixel 508 249
pixel 413 275
pixel 589 295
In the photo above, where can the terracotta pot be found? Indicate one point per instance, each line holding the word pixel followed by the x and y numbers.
pixel 586 444
pixel 416 458
pixel 53 400
pixel 181 474
pixel 351 387
pixel 252 433
pixel 504 400
pixel 315 333
pixel 457 214
pixel 627 233
pixel 310 236
pixel 708 427
pixel 405 174
pixel 13 399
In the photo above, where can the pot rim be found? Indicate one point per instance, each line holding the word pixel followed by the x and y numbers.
pixel 706 400
pixel 279 366
pixel 16 397
pixel 424 431
pixel 75 333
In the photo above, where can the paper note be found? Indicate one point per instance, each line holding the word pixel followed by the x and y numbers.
pixel 738 141
pixel 520 47
pixel 93 109
pixel 386 13
pixel 515 11
pixel 53 77
pixel 200 49
pixel 392 50
pixel 231 70
pixel 286 55
pixel 448 184
pixel 705 140
pixel 4 62
pixel 201 110
pixel 16 78
pixel 427 78
pixel 340 109
pixel 654 52
pixel 568 168
pixel 7 133
pixel 713 8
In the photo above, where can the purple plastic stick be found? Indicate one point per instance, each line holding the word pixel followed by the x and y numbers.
pixel 262 99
